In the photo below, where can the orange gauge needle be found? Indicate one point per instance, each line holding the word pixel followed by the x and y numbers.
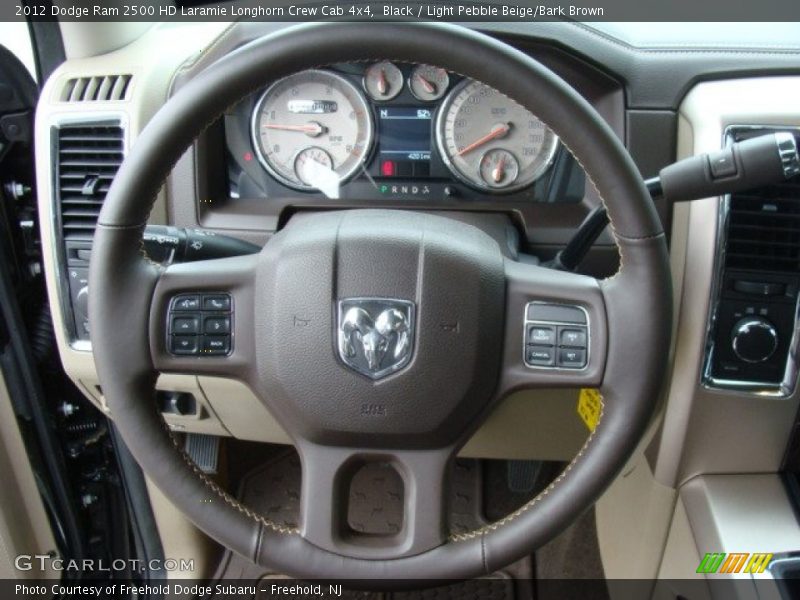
pixel 428 85
pixel 500 170
pixel 383 84
pixel 313 129
pixel 497 131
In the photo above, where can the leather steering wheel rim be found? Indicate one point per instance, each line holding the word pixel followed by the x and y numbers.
pixel 634 306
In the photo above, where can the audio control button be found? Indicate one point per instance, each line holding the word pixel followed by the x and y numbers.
pixel 200 324
pixel 186 303
pixel 216 344
pixel 217 302
pixel 183 344
pixel 185 324
pixel 217 325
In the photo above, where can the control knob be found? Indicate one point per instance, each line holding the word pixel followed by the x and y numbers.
pixel 754 339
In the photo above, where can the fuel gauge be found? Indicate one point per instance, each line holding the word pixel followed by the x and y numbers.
pixel 383 81
pixel 499 168
pixel 428 83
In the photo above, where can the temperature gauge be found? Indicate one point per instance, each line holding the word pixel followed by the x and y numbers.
pixel 383 81
pixel 428 83
pixel 499 168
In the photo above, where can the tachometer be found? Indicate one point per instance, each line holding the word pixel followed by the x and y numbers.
pixel 312 118
pixel 491 142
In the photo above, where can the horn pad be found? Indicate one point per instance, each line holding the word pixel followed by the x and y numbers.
pixel 379 328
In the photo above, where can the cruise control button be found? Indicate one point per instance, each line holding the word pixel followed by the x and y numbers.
pixel 218 302
pixel 572 358
pixel 540 356
pixel 217 325
pixel 185 324
pixel 216 344
pixel 572 337
pixel 186 303
pixel 183 344
pixel 545 336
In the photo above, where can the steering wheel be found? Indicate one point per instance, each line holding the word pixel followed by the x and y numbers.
pixel 452 308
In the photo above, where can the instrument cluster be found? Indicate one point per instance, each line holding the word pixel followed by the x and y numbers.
pixel 325 131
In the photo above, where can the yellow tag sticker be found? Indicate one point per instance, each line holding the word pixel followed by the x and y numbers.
pixel 590 404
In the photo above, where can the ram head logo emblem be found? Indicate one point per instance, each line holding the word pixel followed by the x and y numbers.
pixel 375 335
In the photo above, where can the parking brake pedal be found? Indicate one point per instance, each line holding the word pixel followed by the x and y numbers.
pixel 204 451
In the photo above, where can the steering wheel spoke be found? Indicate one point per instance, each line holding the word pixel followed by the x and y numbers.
pixel 556 330
pixel 405 497
pixel 200 318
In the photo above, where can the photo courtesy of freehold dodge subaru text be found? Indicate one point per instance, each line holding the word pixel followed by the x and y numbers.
pixel 394 300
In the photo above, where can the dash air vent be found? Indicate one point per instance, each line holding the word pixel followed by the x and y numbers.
pixel 764 229
pixel 101 88
pixel 88 158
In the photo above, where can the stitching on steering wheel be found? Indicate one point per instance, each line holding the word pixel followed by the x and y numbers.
pixel 481 531
pixel 281 529
pixel 227 498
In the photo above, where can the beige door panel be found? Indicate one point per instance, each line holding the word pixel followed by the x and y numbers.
pixel 24 525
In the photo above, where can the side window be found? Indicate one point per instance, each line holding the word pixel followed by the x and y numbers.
pixel 15 37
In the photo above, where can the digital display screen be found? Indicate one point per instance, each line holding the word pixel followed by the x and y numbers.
pixel 312 107
pixel 405 133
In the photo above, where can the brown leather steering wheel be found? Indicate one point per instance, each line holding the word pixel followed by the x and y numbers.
pixel 446 270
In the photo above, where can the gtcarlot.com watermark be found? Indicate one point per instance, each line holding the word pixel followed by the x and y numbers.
pixel 45 562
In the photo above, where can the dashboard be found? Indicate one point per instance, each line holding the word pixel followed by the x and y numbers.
pixel 408 149
pixel 381 130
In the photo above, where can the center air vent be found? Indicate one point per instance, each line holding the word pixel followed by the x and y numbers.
pixel 100 88
pixel 764 229
pixel 88 158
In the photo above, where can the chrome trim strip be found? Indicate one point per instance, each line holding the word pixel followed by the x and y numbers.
pixel 56 122
pixel 787 386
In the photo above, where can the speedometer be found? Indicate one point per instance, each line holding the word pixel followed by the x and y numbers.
pixel 491 142
pixel 312 130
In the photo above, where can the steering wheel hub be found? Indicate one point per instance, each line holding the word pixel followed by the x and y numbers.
pixel 420 296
